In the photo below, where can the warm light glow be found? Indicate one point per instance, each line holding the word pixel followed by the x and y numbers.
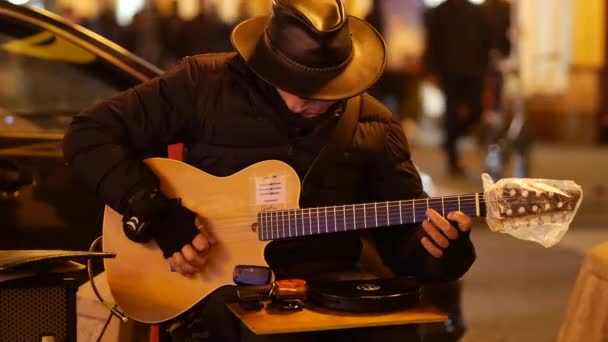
pixel 435 3
pixel 433 100
pixel 125 10
pixel 18 2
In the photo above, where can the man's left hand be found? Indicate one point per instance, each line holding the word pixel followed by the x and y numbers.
pixel 442 232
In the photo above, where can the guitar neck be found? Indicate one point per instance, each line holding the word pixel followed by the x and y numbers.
pixel 291 223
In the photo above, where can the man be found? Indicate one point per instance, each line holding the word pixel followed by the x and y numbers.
pixel 456 56
pixel 280 97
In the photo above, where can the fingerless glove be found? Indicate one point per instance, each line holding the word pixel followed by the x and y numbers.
pixel 151 215
pixel 175 229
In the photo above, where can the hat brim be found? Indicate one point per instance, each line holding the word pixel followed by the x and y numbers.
pixel 360 73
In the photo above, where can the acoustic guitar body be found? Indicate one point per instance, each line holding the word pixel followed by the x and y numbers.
pixel 140 279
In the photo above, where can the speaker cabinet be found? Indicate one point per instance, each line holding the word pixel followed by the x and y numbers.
pixel 36 309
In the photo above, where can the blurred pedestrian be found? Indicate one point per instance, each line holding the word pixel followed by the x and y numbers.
pixel 456 57
pixel 143 35
pixel 498 17
pixel 400 23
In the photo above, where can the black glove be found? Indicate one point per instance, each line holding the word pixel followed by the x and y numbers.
pixel 151 215
pixel 175 229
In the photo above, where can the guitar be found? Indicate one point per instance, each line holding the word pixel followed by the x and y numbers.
pixel 244 212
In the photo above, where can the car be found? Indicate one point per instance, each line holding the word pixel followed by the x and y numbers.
pixel 49 71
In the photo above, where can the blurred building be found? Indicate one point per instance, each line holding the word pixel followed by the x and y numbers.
pixel 559 56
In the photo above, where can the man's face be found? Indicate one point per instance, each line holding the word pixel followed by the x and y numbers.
pixel 306 108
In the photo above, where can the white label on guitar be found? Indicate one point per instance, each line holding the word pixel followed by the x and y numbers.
pixel 270 190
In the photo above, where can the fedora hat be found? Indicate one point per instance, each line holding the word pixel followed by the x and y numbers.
pixel 312 49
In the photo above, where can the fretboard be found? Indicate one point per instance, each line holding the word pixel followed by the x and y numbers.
pixel 292 223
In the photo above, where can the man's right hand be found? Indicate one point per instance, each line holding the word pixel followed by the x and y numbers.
pixel 193 257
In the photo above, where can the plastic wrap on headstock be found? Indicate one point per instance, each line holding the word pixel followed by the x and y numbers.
pixel 538 210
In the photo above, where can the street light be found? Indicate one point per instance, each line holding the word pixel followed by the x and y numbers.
pixel 18 2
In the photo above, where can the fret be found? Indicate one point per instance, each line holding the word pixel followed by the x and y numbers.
pixel 272 222
pixel 271 225
pixel 388 216
pixel 277 222
pixel 310 221
pixel 295 222
pixel 302 222
pixel 413 209
pixel 458 202
pixel 442 207
pixel 269 218
pixel 335 220
pixel 364 217
pixel 279 218
pixel 436 204
pixel 378 207
pixel 283 222
pixel 318 226
pixel 477 204
pixel 330 225
pixel 344 219
pixel 400 214
pixel 268 226
pixel 262 226
pixel 347 220
pixel 326 220
pixel 303 225
pixel 376 212
pixel 354 218
pixel 289 222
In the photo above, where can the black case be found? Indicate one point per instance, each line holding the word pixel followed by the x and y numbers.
pixel 364 296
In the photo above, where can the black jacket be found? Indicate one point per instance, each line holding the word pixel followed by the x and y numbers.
pixel 458 40
pixel 228 119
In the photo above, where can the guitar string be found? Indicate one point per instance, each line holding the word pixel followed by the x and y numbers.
pixel 312 214
pixel 416 202
pixel 341 208
pixel 275 232
pixel 433 202
pixel 276 227
pixel 358 208
pixel 392 204
pixel 357 215
pixel 278 215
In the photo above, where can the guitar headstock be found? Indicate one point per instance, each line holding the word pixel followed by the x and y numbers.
pixel 539 210
pixel 516 200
